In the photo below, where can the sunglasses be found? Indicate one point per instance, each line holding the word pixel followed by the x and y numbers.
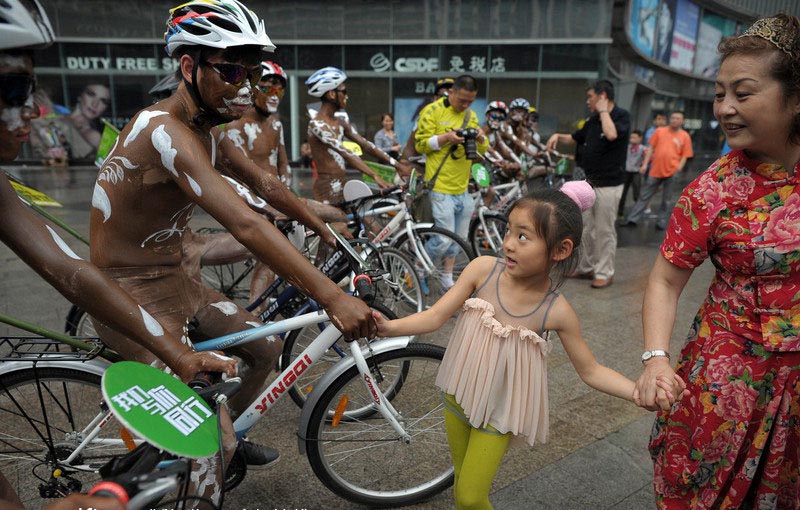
pixel 235 74
pixel 341 91
pixel 497 116
pixel 271 90
pixel 16 88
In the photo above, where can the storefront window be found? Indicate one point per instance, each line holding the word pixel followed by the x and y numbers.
pixel 311 58
pixel 571 57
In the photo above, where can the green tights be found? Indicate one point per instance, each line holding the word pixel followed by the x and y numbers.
pixel 476 457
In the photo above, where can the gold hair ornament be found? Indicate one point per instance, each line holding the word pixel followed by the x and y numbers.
pixel 774 31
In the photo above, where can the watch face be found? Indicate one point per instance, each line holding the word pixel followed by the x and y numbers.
pixel 647 355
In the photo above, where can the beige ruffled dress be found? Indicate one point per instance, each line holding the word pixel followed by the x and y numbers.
pixel 495 365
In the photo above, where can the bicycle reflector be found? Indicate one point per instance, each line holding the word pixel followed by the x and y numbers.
pixel 337 415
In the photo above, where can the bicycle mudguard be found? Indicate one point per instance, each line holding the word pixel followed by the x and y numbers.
pixel 420 225
pixel 95 366
pixel 378 347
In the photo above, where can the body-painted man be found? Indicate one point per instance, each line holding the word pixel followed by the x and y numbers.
pixel 326 133
pixel 23 27
pixel 162 166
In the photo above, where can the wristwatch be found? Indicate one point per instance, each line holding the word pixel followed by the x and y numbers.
pixel 646 355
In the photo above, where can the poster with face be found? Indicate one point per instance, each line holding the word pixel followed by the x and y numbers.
pixel 666 24
pixel 642 29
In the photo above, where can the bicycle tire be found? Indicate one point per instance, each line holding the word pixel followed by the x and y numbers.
pixel 478 236
pixel 82 326
pixel 400 290
pixel 298 340
pixel 431 279
pixel 44 410
pixel 363 460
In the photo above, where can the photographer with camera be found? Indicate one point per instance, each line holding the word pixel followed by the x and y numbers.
pixel 449 134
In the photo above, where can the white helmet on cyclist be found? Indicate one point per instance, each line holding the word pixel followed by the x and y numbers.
pixel 24 25
pixel 215 24
pixel 272 69
pixel 325 80
pixel 521 103
pixel 498 106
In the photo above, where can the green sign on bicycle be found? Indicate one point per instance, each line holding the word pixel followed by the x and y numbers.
pixel 480 174
pixel 160 409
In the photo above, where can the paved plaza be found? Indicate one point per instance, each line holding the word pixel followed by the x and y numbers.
pixel 596 457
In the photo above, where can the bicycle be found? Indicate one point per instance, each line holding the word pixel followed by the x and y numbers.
pixel 54 428
pixel 413 239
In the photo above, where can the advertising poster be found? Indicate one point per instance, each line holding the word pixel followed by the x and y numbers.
pixel 684 35
pixel 713 28
pixel 665 26
pixel 642 29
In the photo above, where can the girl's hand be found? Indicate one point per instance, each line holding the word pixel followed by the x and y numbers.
pixel 381 323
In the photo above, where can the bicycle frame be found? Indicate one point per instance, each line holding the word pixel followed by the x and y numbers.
pixel 275 390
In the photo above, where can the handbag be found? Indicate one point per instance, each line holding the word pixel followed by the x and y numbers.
pixel 421 207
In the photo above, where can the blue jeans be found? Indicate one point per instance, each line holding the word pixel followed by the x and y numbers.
pixel 452 212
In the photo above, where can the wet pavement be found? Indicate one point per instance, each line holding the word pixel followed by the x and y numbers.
pixel 596 456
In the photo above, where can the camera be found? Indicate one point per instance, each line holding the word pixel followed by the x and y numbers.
pixel 470 136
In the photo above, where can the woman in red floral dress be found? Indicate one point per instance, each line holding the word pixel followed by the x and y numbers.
pixel 734 441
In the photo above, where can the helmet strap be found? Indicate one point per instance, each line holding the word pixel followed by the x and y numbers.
pixel 206 115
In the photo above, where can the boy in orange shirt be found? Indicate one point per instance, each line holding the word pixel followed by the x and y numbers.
pixel 669 149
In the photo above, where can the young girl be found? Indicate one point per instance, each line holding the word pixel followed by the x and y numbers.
pixel 494 373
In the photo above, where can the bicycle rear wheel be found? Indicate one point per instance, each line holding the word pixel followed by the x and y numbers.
pixel 361 458
pixel 488 240
pixel 400 290
pixel 44 413
pixel 434 274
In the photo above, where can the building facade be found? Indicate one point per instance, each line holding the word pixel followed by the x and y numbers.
pixel 659 52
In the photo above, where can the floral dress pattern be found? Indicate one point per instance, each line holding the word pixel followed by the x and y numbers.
pixel 734 442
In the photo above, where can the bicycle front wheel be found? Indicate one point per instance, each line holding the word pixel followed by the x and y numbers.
pixel 82 326
pixel 361 458
pixel 488 239
pixel 45 411
pixel 299 339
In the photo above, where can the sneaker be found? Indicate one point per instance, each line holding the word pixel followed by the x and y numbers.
pixel 446 279
pixel 256 454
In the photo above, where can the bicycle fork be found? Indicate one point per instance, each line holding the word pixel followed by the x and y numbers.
pixel 381 403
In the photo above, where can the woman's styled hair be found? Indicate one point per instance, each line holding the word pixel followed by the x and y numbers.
pixel 387 115
pixel 556 217
pixel 780 36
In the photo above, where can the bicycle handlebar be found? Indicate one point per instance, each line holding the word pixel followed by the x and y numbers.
pixel 137 491
pixel 364 288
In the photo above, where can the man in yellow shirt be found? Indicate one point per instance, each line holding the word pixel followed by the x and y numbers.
pixel 439 136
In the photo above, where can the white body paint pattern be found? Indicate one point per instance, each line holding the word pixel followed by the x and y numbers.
pixel 101 202
pixel 336 186
pixel 61 244
pixel 219 356
pixel 235 136
pixel 243 98
pixel 214 143
pixel 114 169
pixel 251 130
pixel 110 153
pixel 152 325
pixel 244 192
pixel 12 118
pixel 165 234
pixel 195 187
pixel 226 307
pixel 204 476
pixel 142 120
pixel 333 139
pixel 273 158
pixel 163 144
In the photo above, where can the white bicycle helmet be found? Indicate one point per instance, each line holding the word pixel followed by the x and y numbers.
pixel 497 106
pixel 214 24
pixel 273 69
pixel 24 25
pixel 324 80
pixel 520 103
